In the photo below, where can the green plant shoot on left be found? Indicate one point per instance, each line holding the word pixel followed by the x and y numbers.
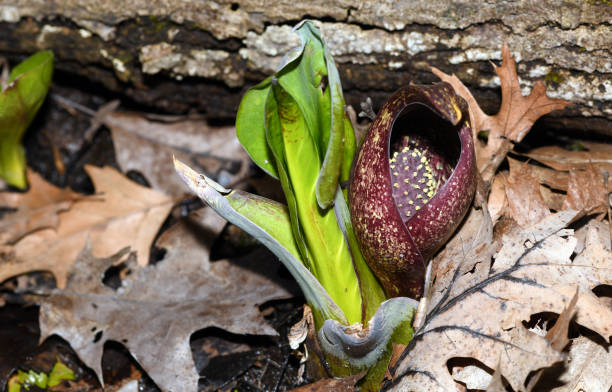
pixel 23 95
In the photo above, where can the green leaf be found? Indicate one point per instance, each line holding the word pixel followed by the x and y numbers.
pixel 268 222
pixel 274 138
pixel 294 149
pixel 302 78
pixel 250 127
pixel 350 146
pixel 322 105
pixel 370 289
pixel 309 75
pixel 28 85
pixel 59 373
pixel 338 133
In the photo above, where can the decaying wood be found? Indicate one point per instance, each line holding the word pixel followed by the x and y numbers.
pixel 180 55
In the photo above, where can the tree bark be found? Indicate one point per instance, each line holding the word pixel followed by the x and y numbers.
pixel 179 55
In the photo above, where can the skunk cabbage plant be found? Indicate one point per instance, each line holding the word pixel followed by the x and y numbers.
pixel 294 126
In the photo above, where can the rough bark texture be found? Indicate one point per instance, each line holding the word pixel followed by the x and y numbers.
pixel 177 55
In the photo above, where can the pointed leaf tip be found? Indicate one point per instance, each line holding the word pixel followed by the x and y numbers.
pixel 193 179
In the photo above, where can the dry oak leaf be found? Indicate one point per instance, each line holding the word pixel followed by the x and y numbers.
pixel 554 179
pixel 598 154
pixel 121 214
pixel 148 145
pixel 157 307
pixel 586 191
pixel 588 367
pixel 601 228
pixel 525 202
pixel 514 119
pixel 476 305
pixel 35 209
pixel 557 336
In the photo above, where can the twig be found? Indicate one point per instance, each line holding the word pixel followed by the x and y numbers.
pixel 282 374
pixel 97 116
pixel 73 104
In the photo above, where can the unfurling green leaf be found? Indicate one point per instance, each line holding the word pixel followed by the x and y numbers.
pixel 294 126
pixel 309 76
pixel 19 102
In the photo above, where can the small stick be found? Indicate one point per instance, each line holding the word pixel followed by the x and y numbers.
pixel 282 374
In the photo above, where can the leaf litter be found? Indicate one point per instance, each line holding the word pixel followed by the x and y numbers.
pixel 477 305
pixel 36 209
pixel 514 119
pixel 525 201
pixel 486 283
pixel 121 214
pixel 147 143
pixel 157 307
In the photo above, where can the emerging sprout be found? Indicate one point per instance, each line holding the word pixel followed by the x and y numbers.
pixel 20 99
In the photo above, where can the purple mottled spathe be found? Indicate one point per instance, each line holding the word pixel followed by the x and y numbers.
pixel 412 183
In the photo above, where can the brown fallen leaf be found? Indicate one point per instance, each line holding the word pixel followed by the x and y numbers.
pixel 586 191
pixel 598 154
pixel 555 183
pixel 557 336
pixel 40 194
pixel 36 209
pixel 588 368
pixel 148 145
pixel 554 179
pixel 121 214
pixel 157 307
pixel 480 298
pixel 600 228
pixel 498 202
pixel 497 384
pixel 514 119
pixel 472 376
pixel 525 202
pixel 553 200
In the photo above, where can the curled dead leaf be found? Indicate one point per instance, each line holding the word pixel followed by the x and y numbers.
pixel 148 144
pixel 514 119
pixel 598 154
pixel 586 191
pixel 36 209
pixel 525 202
